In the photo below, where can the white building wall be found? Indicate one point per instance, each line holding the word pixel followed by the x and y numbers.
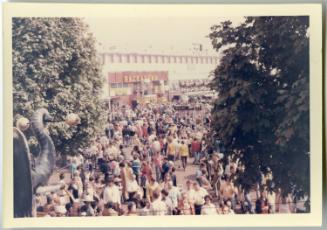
pixel 178 67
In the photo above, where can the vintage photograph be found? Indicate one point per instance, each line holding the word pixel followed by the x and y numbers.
pixel 123 122
pixel 161 116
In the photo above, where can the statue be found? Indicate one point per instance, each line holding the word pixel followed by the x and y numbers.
pixel 26 178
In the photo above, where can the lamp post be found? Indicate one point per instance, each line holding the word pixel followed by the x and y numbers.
pixel 145 82
pixel 109 102
pixel 109 112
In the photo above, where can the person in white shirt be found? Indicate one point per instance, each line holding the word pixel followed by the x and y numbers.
pixel 229 207
pixel 227 169
pixel 145 208
pixel 132 188
pixel 208 208
pixel 112 194
pixel 112 151
pixel 151 138
pixel 190 191
pixel 155 146
pixel 168 201
pixel 174 194
pixel 79 159
pixel 89 189
pixel 116 169
pixel 104 141
pixel 158 207
pixel 199 194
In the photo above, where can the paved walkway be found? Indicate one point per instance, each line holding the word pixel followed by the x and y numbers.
pixel 182 176
pixel 188 174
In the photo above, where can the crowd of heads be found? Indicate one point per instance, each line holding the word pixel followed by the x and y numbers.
pixel 133 170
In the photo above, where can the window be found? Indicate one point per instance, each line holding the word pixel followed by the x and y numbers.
pixel 113 85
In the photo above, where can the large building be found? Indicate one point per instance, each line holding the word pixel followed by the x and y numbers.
pixel 135 87
pixel 134 77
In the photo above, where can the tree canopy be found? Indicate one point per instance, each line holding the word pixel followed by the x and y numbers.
pixel 263 104
pixel 55 67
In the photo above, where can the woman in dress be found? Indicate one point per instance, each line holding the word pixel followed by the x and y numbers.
pixel 208 208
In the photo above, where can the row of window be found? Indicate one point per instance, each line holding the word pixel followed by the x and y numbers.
pixel 135 58
pixel 119 85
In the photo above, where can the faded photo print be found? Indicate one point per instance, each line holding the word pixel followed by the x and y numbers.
pixel 132 116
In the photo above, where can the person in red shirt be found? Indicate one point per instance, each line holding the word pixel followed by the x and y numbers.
pixel 145 131
pixel 196 150
pixel 146 175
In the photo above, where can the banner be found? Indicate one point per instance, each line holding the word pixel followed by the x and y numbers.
pixel 134 76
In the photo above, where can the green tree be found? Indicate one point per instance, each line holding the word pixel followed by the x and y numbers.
pixel 263 104
pixel 55 67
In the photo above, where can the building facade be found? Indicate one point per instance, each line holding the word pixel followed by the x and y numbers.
pixel 135 77
pixel 138 87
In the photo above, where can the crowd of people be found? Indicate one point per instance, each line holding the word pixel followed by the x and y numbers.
pixel 132 169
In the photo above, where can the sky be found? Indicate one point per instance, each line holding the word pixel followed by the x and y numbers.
pixel 159 35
